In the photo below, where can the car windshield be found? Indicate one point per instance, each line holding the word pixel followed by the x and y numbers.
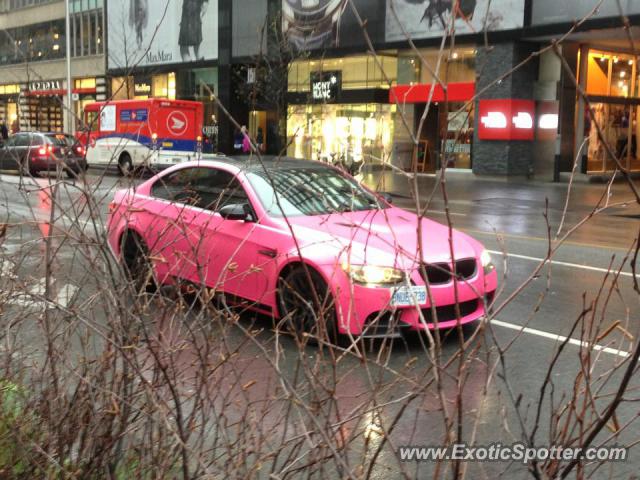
pixel 60 139
pixel 310 191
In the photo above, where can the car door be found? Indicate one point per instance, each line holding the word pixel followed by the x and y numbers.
pixel 225 249
pixel 17 154
pixel 7 161
pixel 168 224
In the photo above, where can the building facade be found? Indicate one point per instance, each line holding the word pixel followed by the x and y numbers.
pixel 33 68
pixel 301 76
pixel 500 100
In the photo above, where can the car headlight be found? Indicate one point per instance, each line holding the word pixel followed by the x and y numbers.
pixel 372 275
pixel 485 260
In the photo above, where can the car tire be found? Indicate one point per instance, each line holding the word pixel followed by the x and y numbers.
pixel 125 165
pixel 135 261
pixel 302 308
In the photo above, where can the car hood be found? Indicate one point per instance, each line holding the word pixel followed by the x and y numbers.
pixel 383 237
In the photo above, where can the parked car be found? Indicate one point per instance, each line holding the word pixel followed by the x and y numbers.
pixel 293 237
pixel 33 152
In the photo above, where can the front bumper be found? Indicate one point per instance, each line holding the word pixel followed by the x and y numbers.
pixel 367 311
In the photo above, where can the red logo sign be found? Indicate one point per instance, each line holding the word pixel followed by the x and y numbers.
pixel 507 119
pixel 177 123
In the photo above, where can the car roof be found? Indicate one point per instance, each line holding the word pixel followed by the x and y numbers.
pixel 270 162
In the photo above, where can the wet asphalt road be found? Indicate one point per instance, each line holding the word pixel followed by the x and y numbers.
pixel 507 217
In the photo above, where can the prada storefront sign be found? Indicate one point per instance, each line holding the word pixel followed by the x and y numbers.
pixel 46 85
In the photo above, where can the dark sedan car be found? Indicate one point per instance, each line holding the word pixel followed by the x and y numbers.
pixel 33 152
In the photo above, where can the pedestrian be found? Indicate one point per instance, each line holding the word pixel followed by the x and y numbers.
pixel 246 142
pixel 260 140
pixel 237 141
pixel 4 131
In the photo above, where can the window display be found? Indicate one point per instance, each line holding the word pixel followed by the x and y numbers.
pixel 349 133
pixel 612 85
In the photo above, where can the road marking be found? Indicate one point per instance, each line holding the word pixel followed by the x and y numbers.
pixel 494 235
pixel 562 264
pixel 439 212
pixel 560 338
pixel 64 298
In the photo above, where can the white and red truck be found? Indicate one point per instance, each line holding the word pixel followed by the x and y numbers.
pixel 154 133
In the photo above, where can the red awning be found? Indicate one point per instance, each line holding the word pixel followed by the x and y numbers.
pixel 419 93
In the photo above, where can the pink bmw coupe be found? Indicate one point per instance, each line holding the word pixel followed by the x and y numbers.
pixel 293 238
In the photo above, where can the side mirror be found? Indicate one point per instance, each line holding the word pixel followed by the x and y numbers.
pixel 236 211
pixel 386 197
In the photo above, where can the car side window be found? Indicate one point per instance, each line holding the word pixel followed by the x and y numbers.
pixel 217 188
pixel 22 140
pixel 10 142
pixel 36 140
pixel 176 187
pixel 202 187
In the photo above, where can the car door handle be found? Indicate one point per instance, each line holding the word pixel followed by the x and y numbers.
pixel 268 252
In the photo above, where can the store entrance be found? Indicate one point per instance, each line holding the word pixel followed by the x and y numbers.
pixel 619 126
pixel 611 83
pixel 46 114
pixel 445 130
pixel 425 154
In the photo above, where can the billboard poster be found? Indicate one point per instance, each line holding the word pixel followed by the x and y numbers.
pixel 154 32
pixel 552 11
pixel 431 18
pixel 318 24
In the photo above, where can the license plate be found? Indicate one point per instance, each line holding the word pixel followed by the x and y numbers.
pixel 408 296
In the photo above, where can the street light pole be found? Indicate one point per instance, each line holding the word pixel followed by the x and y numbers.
pixel 70 124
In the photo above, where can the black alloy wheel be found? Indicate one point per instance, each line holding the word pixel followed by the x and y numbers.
pixel 136 263
pixel 304 300
pixel 125 165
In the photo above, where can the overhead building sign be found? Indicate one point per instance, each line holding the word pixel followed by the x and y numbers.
pixel 144 32
pixel 317 24
pixel 432 18
pixel 569 11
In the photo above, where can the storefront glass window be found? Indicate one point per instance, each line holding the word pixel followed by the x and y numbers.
pixel 164 86
pixel 610 74
pixel 85 82
pixel 358 72
pixel 201 84
pixel 456 66
pixel 612 82
pixel 46 41
pixel 122 88
pixel 341 132
pixel 9 89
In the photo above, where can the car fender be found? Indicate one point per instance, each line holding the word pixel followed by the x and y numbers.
pixel 324 270
pixel 131 224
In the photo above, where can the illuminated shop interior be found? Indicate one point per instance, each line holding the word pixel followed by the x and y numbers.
pixel 612 86
pixel 358 132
